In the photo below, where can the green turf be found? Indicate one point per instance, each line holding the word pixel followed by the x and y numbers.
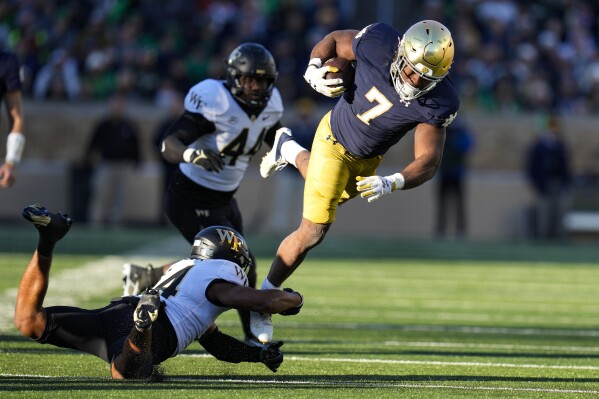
pixel 518 325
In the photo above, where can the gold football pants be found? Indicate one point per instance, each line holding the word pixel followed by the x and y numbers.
pixel 331 177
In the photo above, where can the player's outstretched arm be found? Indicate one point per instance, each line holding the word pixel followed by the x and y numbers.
pixel 228 349
pixel 428 151
pixel 262 301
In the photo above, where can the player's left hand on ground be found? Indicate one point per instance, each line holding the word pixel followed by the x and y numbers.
pixel 271 355
pixel 295 310
pixel 375 187
pixel 315 76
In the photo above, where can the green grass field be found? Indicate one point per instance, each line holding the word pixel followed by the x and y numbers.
pixel 382 319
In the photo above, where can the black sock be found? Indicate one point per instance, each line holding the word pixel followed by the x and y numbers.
pixel 45 247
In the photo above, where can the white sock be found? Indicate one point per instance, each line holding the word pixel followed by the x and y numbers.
pixel 289 151
pixel 267 285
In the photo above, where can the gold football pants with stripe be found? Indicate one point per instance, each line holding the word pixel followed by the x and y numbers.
pixel 331 177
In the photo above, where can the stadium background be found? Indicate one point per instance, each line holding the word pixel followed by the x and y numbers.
pixel 516 63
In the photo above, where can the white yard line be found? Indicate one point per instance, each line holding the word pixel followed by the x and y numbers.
pixel 338 384
pixel 417 362
pixel 466 345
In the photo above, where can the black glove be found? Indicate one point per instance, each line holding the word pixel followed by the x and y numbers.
pixel 295 310
pixel 271 355
pixel 206 159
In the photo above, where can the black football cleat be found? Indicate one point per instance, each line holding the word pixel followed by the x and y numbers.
pixel 147 309
pixel 52 226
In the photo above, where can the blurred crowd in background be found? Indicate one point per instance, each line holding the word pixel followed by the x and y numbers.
pixel 151 50
pixel 512 55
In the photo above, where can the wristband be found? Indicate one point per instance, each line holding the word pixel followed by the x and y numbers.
pixel 15 143
pixel 398 181
pixel 188 154
pixel 317 62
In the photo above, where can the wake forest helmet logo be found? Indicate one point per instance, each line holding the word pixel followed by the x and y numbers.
pixel 231 238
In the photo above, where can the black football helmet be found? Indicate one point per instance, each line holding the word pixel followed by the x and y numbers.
pixel 251 59
pixel 221 242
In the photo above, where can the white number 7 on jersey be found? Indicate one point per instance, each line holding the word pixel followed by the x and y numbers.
pixel 383 105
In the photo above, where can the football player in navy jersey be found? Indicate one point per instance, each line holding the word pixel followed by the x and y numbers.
pixel 11 92
pixel 401 84
pixel 136 333
pixel 223 125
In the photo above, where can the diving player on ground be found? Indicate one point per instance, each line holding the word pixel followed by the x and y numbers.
pixel 133 334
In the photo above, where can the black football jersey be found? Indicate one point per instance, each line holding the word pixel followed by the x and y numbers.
pixel 370 117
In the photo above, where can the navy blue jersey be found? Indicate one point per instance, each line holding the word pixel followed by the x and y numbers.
pixel 370 117
pixel 10 79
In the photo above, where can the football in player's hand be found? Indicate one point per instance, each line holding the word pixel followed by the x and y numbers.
pixel 345 70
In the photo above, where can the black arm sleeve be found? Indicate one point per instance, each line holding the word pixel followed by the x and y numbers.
pixel 269 138
pixel 189 127
pixel 228 349
pixel 185 130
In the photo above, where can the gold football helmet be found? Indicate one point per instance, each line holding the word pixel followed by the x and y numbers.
pixel 427 49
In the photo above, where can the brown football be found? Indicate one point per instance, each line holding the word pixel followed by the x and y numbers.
pixel 345 70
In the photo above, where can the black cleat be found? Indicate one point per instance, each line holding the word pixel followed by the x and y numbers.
pixel 147 309
pixel 52 226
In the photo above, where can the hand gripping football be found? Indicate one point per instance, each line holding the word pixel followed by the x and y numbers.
pixel 345 70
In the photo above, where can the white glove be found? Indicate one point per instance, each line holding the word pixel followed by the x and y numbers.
pixel 315 77
pixel 374 187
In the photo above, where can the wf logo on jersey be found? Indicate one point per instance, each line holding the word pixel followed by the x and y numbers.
pixel 196 100
pixel 232 239
pixel 240 273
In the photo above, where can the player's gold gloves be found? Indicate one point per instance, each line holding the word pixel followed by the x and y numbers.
pixel 375 187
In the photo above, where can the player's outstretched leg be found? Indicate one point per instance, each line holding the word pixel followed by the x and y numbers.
pixel 30 317
pixel 274 160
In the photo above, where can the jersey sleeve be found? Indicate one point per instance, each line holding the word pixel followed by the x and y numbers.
pixel 232 273
pixel 208 98
pixel 443 103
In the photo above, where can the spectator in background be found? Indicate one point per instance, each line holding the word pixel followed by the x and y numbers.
pixel 548 170
pixel 10 91
pixel 452 176
pixel 112 154
pixel 59 78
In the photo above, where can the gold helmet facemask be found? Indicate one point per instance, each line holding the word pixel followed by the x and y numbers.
pixel 427 49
